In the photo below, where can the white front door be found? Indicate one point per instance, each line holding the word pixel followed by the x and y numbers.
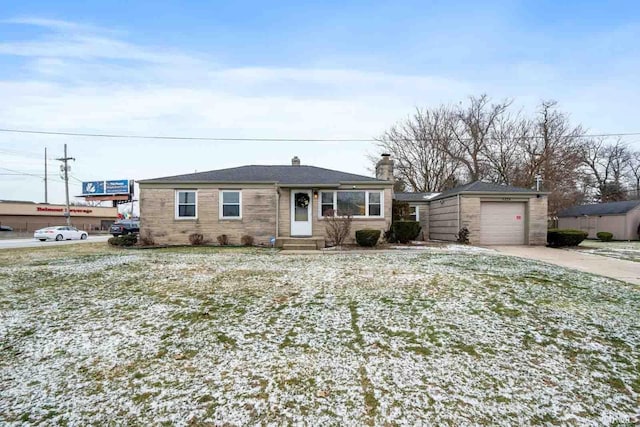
pixel 301 205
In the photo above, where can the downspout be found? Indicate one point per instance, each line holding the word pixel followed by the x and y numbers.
pixel 277 210
pixel 458 212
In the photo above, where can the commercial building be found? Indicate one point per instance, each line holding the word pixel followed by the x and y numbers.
pixel 30 216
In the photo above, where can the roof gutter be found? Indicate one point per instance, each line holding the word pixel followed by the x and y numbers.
pixel 492 193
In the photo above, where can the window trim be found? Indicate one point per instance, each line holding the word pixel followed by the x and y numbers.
pixel 368 204
pixel 366 201
pixel 177 205
pixel 221 205
pixel 416 207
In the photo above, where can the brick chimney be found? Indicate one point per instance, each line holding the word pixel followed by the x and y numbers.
pixel 295 161
pixel 384 168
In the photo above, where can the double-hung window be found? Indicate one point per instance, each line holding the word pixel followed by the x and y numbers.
pixel 230 204
pixel 186 204
pixel 328 200
pixel 356 203
pixel 375 203
pixel 414 213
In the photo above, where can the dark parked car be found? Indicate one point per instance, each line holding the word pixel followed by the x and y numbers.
pixel 125 226
pixel 5 228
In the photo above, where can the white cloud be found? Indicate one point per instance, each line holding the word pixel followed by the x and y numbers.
pixel 83 78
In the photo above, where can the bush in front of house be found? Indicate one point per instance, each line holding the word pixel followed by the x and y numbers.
pixel 463 236
pixel 557 238
pixel 247 240
pixel 604 236
pixel 223 240
pixel 404 231
pixel 124 240
pixel 337 228
pixel 196 239
pixel 367 237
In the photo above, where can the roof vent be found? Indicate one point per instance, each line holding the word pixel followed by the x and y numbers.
pixel 295 161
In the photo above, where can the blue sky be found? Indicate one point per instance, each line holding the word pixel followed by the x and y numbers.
pixel 290 69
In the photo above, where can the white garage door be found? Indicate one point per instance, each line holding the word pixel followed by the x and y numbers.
pixel 502 223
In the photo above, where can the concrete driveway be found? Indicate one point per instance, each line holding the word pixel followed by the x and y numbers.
pixel 33 243
pixel 627 271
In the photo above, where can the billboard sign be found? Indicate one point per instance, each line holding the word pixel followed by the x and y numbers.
pixel 120 186
pixel 106 188
pixel 93 187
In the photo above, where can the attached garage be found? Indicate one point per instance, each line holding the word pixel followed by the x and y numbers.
pixel 502 223
pixel 494 214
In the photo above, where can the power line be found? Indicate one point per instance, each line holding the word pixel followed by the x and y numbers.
pixel 196 138
pixel 22 173
pixel 188 138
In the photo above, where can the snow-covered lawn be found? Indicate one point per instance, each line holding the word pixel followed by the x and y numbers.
pixel 194 336
pixel 629 251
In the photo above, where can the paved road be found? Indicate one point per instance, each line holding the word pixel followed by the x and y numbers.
pixel 33 243
pixel 627 271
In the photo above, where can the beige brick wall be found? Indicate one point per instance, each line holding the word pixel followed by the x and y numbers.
pixel 319 224
pixel 470 217
pixel 538 220
pixel 157 207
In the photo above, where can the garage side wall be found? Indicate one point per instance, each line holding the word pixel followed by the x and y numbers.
pixel 157 207
pixel 443 219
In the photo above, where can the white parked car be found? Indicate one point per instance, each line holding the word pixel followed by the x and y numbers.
pixel 61 232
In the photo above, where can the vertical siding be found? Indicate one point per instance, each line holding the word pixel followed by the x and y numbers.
pixel 614 224
pixel 633 222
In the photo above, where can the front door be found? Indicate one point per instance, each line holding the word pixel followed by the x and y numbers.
pixel 301 204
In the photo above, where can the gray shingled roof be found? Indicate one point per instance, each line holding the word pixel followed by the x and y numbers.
pixel 485 187
pixel 613 208
pixel 413 197
pixel 281 174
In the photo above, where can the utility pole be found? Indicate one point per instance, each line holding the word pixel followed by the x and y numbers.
pixel 65 168
pixel 46 194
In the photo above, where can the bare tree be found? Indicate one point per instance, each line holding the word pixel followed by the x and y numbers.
pixel 504 149
pixel 472 130
pixel 554 153
pixel 607 164
pixel 416 144
pixel 634 173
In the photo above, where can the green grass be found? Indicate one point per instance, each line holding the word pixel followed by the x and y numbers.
pixel 94 335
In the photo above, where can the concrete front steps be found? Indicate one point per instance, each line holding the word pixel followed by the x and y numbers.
pixel 300 243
